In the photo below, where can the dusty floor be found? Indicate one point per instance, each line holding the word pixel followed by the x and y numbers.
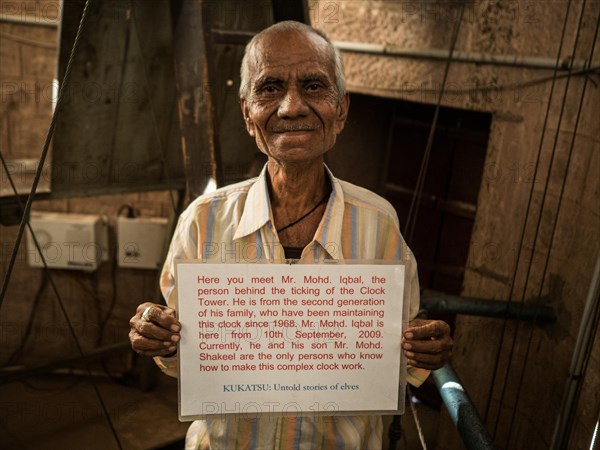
pixel 62 413
pixel 48 413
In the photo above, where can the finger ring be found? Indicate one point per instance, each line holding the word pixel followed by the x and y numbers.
pixel 146 315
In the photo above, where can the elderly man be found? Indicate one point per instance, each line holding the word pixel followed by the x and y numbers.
pixel 294 103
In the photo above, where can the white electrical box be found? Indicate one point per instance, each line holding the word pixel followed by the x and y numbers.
pixel 142 241
pixel 68 241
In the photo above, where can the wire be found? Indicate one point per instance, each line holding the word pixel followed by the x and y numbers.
pixel 522 236
pixel 113 274
pixel 42 160
pixel 538 222
pixel 27 209
pixel 413 409
pixel 416 199
pixel 595 70
pixel 564 178
pixel 54 390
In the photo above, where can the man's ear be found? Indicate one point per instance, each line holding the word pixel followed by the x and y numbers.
pixel 342 112
pixel 246 115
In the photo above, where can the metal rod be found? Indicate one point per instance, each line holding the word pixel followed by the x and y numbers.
pixel 453 304
pixel 530 62
pixel 462 412
pixel 9 377
pixel 26 20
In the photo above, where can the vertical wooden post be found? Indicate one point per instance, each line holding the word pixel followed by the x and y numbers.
pixel 200 143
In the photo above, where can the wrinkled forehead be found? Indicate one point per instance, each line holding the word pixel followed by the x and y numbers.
pixel 291 50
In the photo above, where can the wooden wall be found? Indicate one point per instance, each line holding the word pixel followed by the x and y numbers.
pixel 526 388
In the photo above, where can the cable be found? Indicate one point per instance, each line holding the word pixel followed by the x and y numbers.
pixel 595 70
pixel 48 276
pixel 413 409
pixel 27 209
pixel 416 199
pixel 42 160
pixel 522 236
pixel 560 198
pixel 53 390
pixel 113 274
pixel 538 222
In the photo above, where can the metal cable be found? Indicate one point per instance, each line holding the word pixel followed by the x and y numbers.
pixel 560 199
pixel 49 278
pixel 538 222
pixel 26 210
pixel 522 236
pixel 490 88
pixel 38 172
pixel 416 199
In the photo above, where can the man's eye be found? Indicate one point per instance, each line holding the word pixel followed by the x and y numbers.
pixel 313 87
pixel 269 89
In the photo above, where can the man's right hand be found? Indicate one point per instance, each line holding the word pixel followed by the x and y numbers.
pixel 155 334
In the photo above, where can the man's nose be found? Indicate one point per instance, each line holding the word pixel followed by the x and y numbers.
pixel 292 105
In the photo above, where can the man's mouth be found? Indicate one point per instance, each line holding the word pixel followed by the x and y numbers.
pixel 293 129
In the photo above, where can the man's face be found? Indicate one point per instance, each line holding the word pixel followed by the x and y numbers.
pixel 293 110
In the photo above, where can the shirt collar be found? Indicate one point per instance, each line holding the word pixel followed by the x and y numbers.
pixel 257 213
pixel 257 209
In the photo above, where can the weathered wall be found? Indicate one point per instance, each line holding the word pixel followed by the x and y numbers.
pixel 541 355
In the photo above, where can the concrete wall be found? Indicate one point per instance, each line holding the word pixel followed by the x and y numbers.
pixel 533 362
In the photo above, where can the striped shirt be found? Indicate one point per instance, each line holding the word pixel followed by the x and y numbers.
pixel 235 223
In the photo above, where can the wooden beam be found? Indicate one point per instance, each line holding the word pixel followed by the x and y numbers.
pixel 199 138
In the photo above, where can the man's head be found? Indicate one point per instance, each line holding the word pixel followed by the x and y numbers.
pixel 299 27
pixel 293 92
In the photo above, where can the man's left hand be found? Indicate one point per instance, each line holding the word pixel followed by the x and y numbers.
pixel 427 343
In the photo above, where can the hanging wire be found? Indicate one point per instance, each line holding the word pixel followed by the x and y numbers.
pixel 416 199
pixel 42 160
pixel 48 277
pixel 27 208
pixel 522 235
pixel 415 415
pixel 560 199
pixel 480 89
pixel 538 222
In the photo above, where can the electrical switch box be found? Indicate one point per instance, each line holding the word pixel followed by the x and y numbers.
pixel 68 241
pixel 142 241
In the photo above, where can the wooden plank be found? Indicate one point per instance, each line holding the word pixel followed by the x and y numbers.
pixel 238 149
pixel 106 138
pixel 196 107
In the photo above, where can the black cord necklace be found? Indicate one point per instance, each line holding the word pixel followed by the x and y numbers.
pixel 305 215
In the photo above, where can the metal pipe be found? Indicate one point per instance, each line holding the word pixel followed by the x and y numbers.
pixel 453 304
pixel 26 20
pixel 462 412
pixel 530 62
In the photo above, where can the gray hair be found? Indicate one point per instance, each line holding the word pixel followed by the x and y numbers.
pixel 290 25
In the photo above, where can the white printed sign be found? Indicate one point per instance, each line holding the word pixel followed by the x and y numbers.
pixel 290 339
